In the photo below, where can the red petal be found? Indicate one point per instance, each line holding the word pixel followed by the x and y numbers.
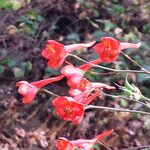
pixel 78 108
pixel 74 81
pixel 44 82
pixel 28 98
pixel 60 102
pixel 64 144
pixel 46 53
pixel 55 44
pixel 99 48
pixel 70 70
pixel 103 135
pixel 91 97
pixel 56 62
pixel 110 42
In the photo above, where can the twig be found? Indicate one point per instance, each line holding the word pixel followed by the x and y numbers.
pixel 130 99
pixel 101 73
pixel 48 92
pixel 104 145
pixel 133 61
pixel 110 69
pixel 116 109
pixel 137 148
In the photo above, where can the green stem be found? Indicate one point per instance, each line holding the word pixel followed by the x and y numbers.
pixel 145 98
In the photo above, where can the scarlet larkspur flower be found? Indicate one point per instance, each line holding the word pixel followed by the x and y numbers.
pixel 75 74
pixel 29 90
pixel 85 87
pixel 67 108
pixel 64 144
pixel 83 144
pixel 56 52
pixel 109 48
pixel 72 109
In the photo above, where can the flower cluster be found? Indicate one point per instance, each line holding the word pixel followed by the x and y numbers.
pixel 82 91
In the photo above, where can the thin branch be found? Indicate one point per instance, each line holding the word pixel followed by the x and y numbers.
pixel 137 148
pixel 104 145
pixel 110 69
pixel 130 99
pixel 48 92
pixel 133 61
pixel 101 73
pixel 116 109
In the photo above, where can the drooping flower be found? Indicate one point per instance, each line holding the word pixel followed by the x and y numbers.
pixel 83 144
pixel 75 74
pixel 56 52
pixel 109 48
pixel 29 90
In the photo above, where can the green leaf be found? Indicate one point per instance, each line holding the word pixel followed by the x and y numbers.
pixel 73 37
pixel 54 72
pixel 2 69
pixel 123 103
pixel 128 85
pixel 118 9
pixel 18 72
pixel 11 63
pixel 5 4
pixel 146 28
pixel 26 66
pixel 109 26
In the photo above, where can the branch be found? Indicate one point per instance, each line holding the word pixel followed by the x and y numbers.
pixel 108 148
pixel 121 97
pixel 117 109
pixel 133 61
pixel 110 69
pixel 137 148
pixel 48 92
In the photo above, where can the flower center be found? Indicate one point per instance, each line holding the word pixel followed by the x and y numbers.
pixel 68 112
pixel 110 53
pixel 51 49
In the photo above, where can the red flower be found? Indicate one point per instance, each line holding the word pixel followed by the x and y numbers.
pixel 85 87
pixel 83 144
pixel 71 109
pixel 29 90
pixel 67 108
pixel 75 74
pixel 56 52
pixel 64 144
pixel 109 48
